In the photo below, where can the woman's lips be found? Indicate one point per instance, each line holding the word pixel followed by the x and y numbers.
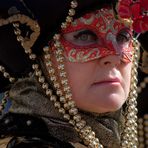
pixel 108 81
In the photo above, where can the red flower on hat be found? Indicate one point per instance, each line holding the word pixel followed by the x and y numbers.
pixel 137 10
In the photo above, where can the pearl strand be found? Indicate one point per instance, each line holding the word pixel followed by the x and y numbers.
pixel 6 74
pixel 143 122
pixel 143 131
pixel 129 135
pixel 75 119
pixel 11 80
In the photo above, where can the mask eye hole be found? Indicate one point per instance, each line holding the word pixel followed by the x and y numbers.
pixel 83 37
pixel 124 36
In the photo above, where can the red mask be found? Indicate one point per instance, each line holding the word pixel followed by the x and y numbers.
pixel 96 35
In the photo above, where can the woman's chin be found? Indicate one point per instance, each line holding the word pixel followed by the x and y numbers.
pixel 113 103
pixel 110 104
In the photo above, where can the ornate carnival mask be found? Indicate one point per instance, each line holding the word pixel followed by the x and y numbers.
pixel 96 35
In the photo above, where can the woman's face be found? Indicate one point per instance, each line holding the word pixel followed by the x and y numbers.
pixel 101 85
pixel 97 51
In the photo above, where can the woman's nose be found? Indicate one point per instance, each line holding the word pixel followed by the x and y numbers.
pixel 110 60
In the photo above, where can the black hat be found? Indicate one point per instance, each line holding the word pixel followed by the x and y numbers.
pixel 49 14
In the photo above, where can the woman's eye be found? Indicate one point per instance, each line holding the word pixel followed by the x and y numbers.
pixel 123 37
pixel 86 36
pixel 82 37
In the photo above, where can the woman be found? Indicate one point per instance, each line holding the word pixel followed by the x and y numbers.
pixel 74 94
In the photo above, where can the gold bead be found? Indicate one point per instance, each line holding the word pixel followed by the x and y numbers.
pixel 60 59
pixel 141 139
pixel 57 44
pixel 124 144
pixel 141 145
pixel 63 25
pixel 48 64
pixel 51 70
pixel 64 81
pixel 62 99
pixel 45 85
pixel 100 146
pixel 71 104
pixel 59 92
pixel 73 111
pixel 12 79
pixel 20 38
pixel 47 56
pixel 139 89
pixel 61 66
pixel 59 51
pixel 86 141
pixel 77 118
pixel 28 51
pixel 146 142
pixel 93 144
pixel 56 85
pixel 146 79
pixel 38 73
pixel 68 96
pixel 2 69
pixel 17 32
pixel 41 79
pixel 32 56
pixel 146 122
pixel 66 106
pixel 46 49
pixel 146 116
pixel 72 122
pixel 146 129
pixel 6 75
pixel 69 19
pixel 53 78
pixel 74 4
pixel 81 124
pixel 62 74
pixel 67 89
pixel 16 25
pixel 72 12
pixel 66 116
pixel 86 130
pixel 35 66
pixel 62 110
pixel 53 98
pixel 56 37
pixel 49 92
pixel 143 84
pixel 57 104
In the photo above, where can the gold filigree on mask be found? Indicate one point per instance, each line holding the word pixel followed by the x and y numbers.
pixel 82 56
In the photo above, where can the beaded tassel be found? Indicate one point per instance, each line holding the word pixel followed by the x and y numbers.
pixel 6 74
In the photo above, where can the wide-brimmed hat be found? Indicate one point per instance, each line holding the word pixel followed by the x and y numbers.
pixel 49 14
